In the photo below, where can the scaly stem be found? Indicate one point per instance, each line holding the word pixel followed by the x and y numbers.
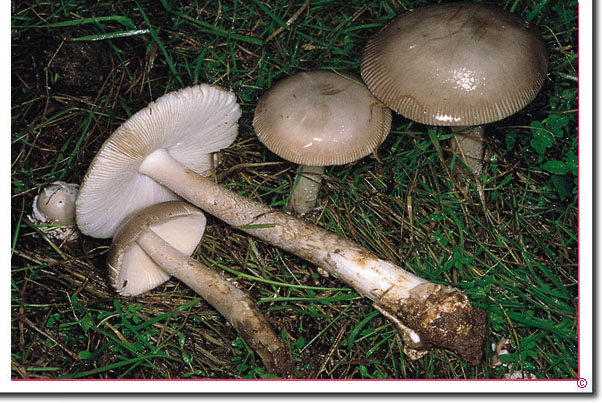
pixel 307 185
pixel 412 303
pixel 234 304
pixel 470 148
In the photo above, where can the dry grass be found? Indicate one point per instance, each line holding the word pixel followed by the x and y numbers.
pixel 510 244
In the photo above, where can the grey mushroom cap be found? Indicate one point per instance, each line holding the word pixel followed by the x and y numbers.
pixel 190 124
pixel 131 269
pixel 455 64
pixel 56 203
pixel 321 118
pixel 54 211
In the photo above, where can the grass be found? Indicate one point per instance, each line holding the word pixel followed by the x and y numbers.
pixel 510 243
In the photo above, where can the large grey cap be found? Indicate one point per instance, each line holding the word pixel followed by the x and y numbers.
pixel 131 270
pixel 190 124
pixel 456 64
pixel 321 118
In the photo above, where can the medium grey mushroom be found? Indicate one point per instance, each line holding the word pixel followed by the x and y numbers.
pixel 156 242
pixel 317 119
pixel 427 314
pixel 457 64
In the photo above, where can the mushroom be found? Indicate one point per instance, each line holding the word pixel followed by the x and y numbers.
pixel 427 314
pixel 457 64
pixel 187 125
pixel 155 243
pixel 54 207
pixel 316 119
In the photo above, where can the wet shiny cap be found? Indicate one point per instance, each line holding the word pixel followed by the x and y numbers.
pixel 456 64
pixel 321 118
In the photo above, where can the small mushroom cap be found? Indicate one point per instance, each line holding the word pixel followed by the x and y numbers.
pixel 456 64
pixel 190 124
pixel 131 270
pixel 321 118
pixel 56 203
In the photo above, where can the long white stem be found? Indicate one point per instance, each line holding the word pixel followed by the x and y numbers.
pixel 409 301
pixel 307 186
pixel 233 303
pixel 370 276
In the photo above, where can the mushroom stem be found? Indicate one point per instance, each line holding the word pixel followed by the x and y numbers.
pixel 307 185
pixel 231 302
pixel 469 145
pixel 425 313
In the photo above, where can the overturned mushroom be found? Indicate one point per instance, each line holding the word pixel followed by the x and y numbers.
pixel 54 210
pixel 458 65
pixel 188 125
pixel 157 242
pixel 427 314
pixel 317 119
